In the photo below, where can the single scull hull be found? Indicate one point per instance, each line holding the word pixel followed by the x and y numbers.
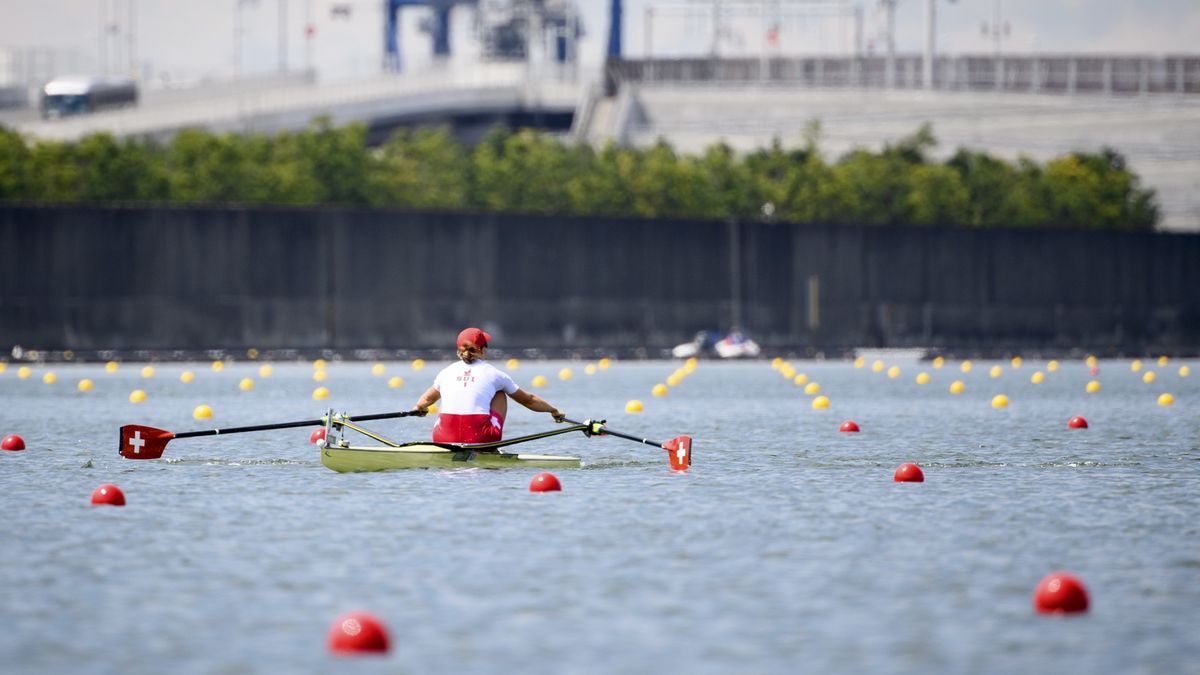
pixel 432 456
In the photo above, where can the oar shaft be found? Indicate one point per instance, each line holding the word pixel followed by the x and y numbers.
pixel 618 434
pixel 290 425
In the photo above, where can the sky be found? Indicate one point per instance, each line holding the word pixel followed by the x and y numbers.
pixel 180 41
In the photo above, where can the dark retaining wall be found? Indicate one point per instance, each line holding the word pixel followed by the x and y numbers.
pixel 195 278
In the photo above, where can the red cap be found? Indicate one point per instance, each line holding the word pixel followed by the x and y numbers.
pixel 473 336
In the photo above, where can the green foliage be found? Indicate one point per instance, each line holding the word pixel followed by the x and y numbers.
pixel 528 172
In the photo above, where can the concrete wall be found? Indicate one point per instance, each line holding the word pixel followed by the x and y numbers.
pixel 198 278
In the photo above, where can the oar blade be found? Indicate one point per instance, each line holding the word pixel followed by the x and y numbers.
pixel 679 450
pixel 142 442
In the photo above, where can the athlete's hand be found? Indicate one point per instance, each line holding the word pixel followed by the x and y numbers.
pixel 558 415
pixel 421 412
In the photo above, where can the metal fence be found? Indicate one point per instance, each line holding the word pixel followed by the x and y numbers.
pixel 1033 74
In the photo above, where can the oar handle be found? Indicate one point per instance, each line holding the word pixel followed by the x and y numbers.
pixel 290 425
pixel 618 434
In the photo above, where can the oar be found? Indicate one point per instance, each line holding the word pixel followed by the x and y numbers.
pixel 679 449
pixel 142 442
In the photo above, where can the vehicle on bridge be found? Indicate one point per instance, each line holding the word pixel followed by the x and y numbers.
pixel 66 96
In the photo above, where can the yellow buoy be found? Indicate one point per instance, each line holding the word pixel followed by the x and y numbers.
pixel 604 363
pixel 996 371
pixel 1148 376
pixel 395 382
pixel 1093 386
pixel 252 353
pixel 319 376
pixel 433 409
pixel 512 364
pixel 565 374
pixel 1090 361
pixel 539 380
pixel 1166 399
pixel 633 406
pixel 938 362
pixel 320 393
pixel 24 372
pixel 877 366
pixel 674 379
pixel 202 412
pixel 378 369
pixel 691 363
pixel 84 385
pixel 922 378
pixel 800 379
pixel 1163 361
pixel 265 370
pixel 1135 365
pixel 187 376
pixel 246 384
pixel 418 364
pixel 218 366
pixel 147 372
pixel 893 372
pixel 3 366
pixel 776 362
pixel 137 396
pixel 659 390
pixel 111 367
pixel 1017 361
pixel 49 378
pixel 589 369
pixel 1038 377
pixel 999 401
pixel 965 367
pixel 812 388
pixel 1184 371
pixel 957 387
pixel 319 364
pixel 820 403
pixel 1052 365
pixel 859 362
pixel 788 371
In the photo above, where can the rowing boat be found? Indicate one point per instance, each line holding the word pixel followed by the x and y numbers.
pixel 138 441
pixel 350 458
pixel 342 456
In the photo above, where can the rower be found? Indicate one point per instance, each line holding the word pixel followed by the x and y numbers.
pixel 474 395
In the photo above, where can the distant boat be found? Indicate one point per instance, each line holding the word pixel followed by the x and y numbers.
pixel 732 346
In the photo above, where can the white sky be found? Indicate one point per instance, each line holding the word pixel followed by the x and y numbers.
pixel 191 39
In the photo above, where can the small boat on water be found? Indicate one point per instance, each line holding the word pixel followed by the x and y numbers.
pixel 339 454
pixel 349 458
pixel 141 442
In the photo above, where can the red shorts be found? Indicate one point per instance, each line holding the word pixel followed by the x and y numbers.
pixel 468 428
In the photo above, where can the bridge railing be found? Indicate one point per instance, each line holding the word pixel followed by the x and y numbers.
pixel 1030 74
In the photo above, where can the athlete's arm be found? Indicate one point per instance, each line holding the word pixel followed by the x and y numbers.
pixel 431 396
pixel 537 404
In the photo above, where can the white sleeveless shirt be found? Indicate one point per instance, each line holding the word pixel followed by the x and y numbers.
pixel 468 388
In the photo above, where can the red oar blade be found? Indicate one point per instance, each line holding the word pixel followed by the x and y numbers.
pixel 679 450
pixel 139 442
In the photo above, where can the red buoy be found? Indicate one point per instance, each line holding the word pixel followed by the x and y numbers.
pixel 545 482
pixel 1093 371
pixel 909 473
pixel 108 494
pixel 848 425
pixel 1077 422
pixel 357 633
pixel 13 442
pixel 317 436
pixel 1060 593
